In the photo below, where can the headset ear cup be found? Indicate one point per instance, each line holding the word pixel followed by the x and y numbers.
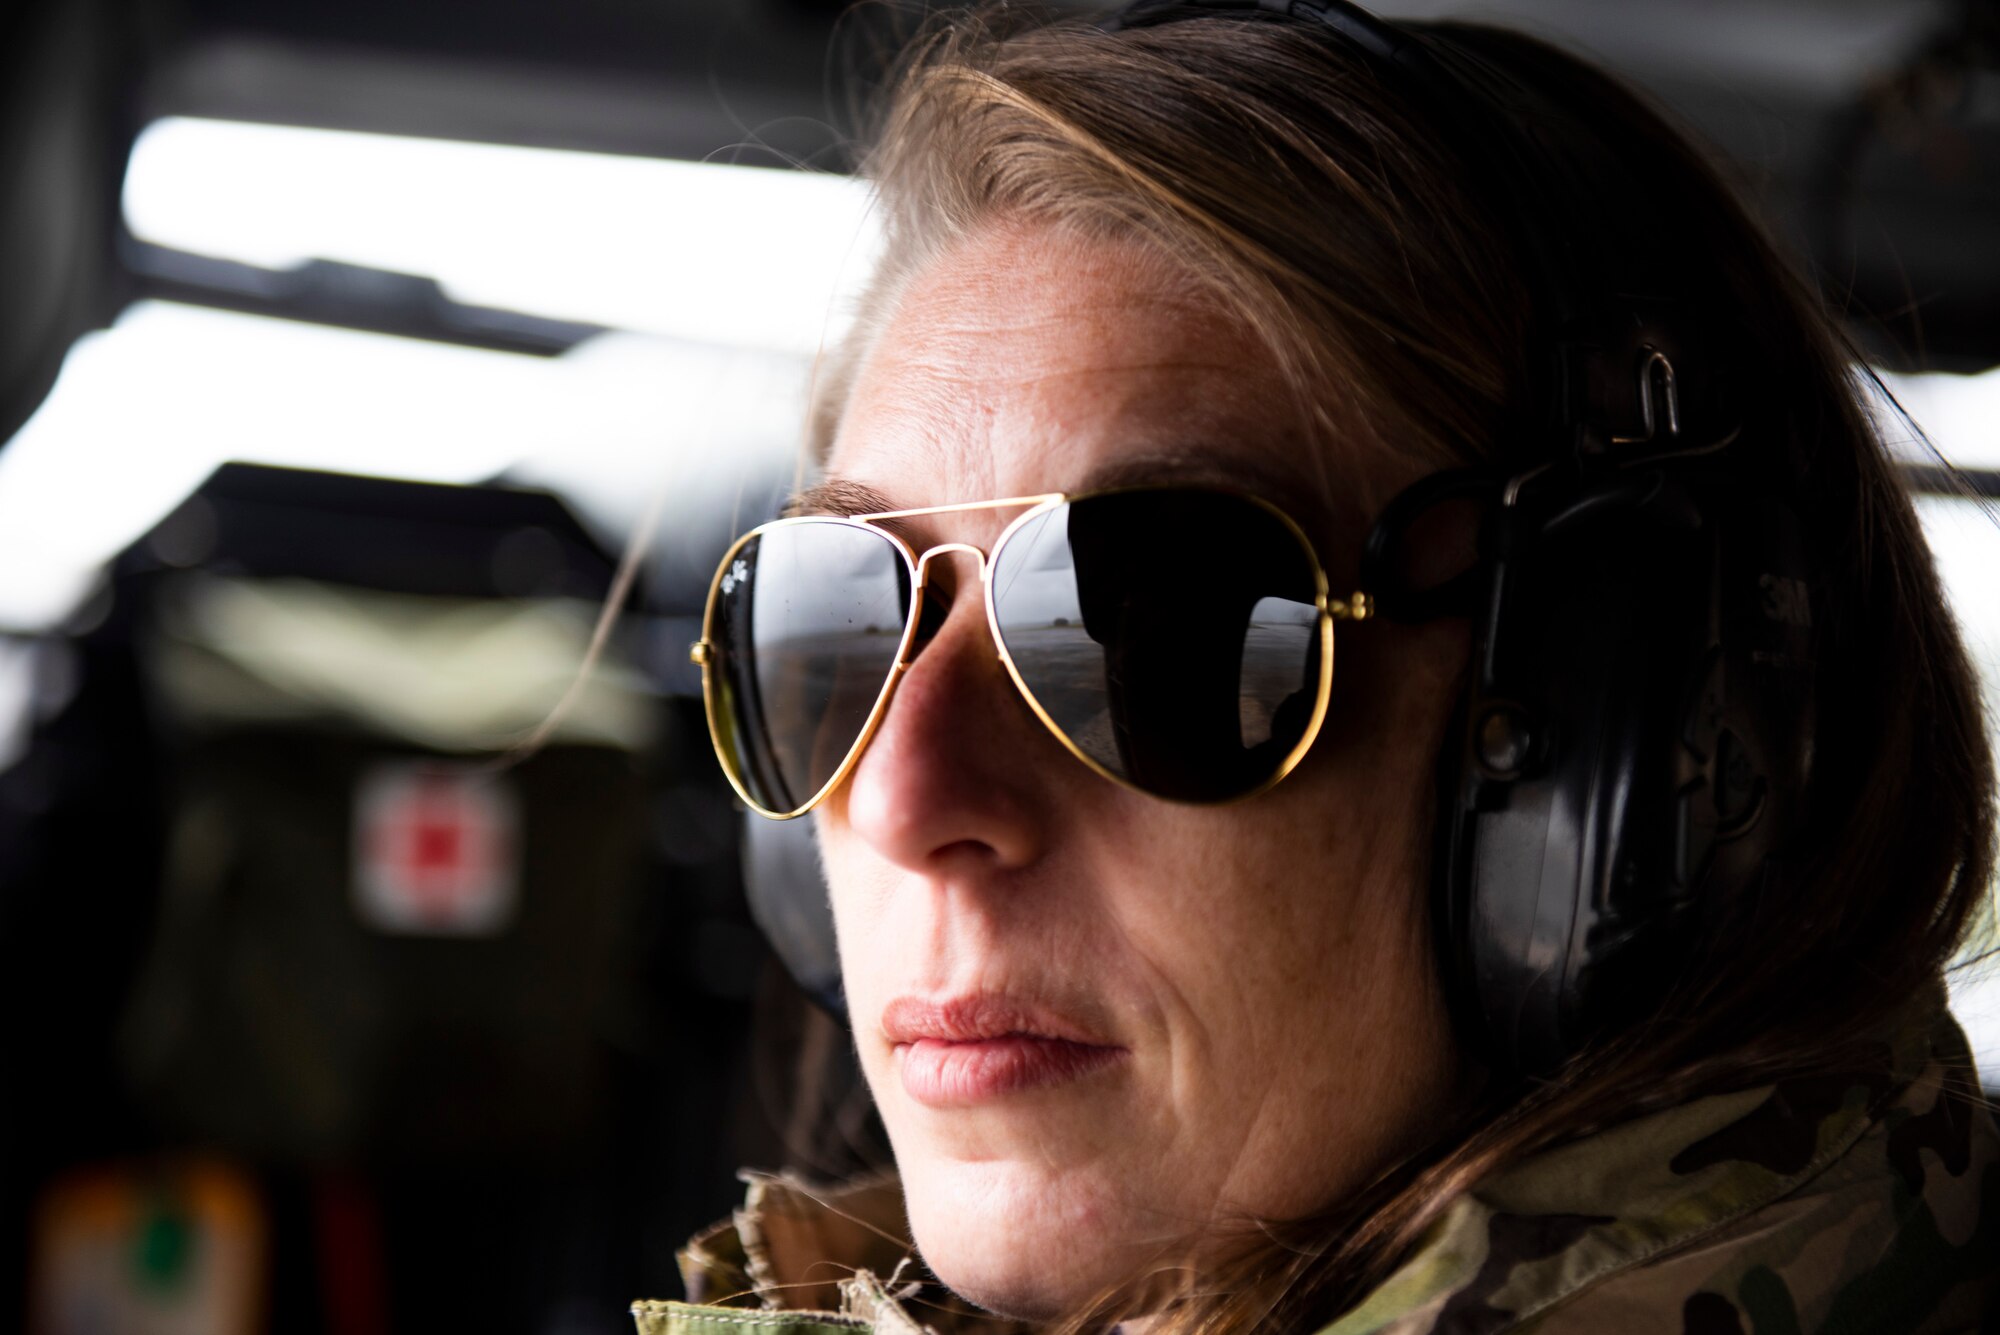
pixel 786 888
pixel 1562 876
pixel 1750 733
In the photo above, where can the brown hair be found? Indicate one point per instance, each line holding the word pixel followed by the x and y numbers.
pixel 1270 167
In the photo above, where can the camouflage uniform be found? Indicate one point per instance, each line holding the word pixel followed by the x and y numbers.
pixel 1853 1204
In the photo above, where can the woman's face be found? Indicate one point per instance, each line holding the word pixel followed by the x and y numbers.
pixel 1101 1026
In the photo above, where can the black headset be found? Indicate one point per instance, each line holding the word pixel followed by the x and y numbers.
pixel 1630 749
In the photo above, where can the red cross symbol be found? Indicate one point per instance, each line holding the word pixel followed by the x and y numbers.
pixel 434 850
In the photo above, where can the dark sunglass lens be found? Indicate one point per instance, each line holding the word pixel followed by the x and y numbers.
pixel 1173 636
pixel 804 632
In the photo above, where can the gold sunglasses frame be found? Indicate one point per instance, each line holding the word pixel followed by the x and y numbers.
pixel 1359 607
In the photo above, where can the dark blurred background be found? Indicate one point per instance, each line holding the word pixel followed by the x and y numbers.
pixel 345 346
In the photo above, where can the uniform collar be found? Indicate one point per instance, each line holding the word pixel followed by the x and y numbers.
pixel 809 1260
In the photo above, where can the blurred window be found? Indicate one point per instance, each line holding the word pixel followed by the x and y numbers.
pixel 754 257
pixel 718 283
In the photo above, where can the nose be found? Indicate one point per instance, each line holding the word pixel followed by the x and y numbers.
pixel 952 781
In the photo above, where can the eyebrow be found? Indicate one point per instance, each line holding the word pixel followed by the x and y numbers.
pixel 838 496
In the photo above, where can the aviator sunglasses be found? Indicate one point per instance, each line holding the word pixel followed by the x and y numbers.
pixel 1177 640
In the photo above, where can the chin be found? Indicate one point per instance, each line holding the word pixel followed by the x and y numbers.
pixel 1020 1285
pixel 1006 1296
pixel 1005 1237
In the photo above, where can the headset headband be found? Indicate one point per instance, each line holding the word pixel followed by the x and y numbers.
pixel 1608 301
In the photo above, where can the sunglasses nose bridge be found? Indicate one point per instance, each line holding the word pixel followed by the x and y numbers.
pixel 977 554
pixel 924 561
pixel 923 583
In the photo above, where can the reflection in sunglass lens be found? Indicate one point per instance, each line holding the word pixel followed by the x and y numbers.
pixel 803 632
pixel 1173 636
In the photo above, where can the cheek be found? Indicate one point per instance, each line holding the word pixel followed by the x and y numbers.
pixel 1274 933
pixel 1286 961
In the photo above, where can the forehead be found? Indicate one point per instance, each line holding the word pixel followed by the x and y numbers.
pixel 1023 361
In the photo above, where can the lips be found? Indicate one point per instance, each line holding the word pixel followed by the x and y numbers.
pixel 970 1050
